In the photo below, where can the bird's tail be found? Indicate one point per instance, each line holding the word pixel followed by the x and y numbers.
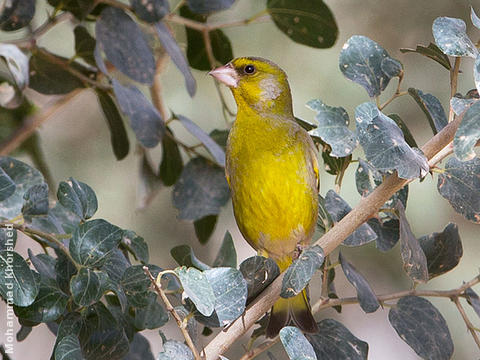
pixel 294 310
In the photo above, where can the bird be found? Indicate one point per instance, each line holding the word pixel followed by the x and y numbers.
pixel 272 171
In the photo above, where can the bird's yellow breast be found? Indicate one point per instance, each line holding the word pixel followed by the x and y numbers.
pixel 271 172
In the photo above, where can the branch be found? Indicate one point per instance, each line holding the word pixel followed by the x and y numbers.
pixel 33 122
pixel 171 309
pixel 361 213
pixel 50 237
pixel 470 326
pixel 328 302
pixel 453 85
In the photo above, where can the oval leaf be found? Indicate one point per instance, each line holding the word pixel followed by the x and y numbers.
pixel 201 190
pixel 433 52
pixel 35 201
pixel 171 165
pixel 468 133
pixel 207 7
pixel 197 287
pixel 150 11
pixel 301 271
pixel 451 38
pixel 17 283
pixel 422 327
pixel 184 256
pixel 7 186
pixel 84 44
pixel 259 272
pixel 17 14
pixel 17 63
pixel 205 227
pixel 333 128
pixel 361 61
pixel 296 345
pixel 146 122
pixel 335 341
pixel 308 22
pixel 85 287
pixel 384 145
pixel 69 349
pixel 93 240
pixel 432 108
pixel 460 185
pixel 227 256
pixel 175 350
pixel 127 49
pixel 77 197
pixel 366 297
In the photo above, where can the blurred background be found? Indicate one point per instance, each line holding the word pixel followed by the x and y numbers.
pixel 76 143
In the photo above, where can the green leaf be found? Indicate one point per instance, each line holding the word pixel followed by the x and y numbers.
pixel 212 147
pixel 473 300
pixel 150 11
pixel 191 323
pixel 8 238
pixel 433 52
pixel 388 232
pixel 23 333
pixel 7 186
pixel 79 8
pixel 175 350
pixel 201 190
pixel 432 109
pixel 145 120
pixel 115 265
pixel 171 165
pixel 196 52
pixel 139 349
pixel 84 44
pixel 118 134
pixel 406 132
pixel 306 22
pixel 460 104
pixel 107 285
pixel 197 287
pixel 48 306
pixel 296 344
pixel 460 185
pixel 184 256
pixel 413 257
pixel 205 227
pixel 93 240
pixel 151 316
pixel 220 137
pixel 366 297
pixel 391 67
pixel 106 345
pixel 49 78
pixel 17 14
pixel 258 272
pixel 24 178
pixel 338 209
pixel 475 19
pixel 361 61
pixel 384 145
pixel 230 291
pixel 149 182
pixel 333 128
pixel 468 133
pixel 44 264
pixel 69 349
pixel 367 178
pixel 207 7
pixel 227 256
pixel 136 245
pixel 65 269
pixel 77 197
pixel 335 341
pixel 35 201
pixel 171 47
pixel 451 37
pixel 127 49
pixel 17 282
pixel 301 271
pixel 331 292
pixel 442 250
pixel 422 327
pixel 137 285
pixel 324 220
pixel 85 287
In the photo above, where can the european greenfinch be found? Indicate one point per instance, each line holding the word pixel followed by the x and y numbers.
pixel 272 171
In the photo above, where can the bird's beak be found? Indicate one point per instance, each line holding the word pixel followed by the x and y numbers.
pixel 226 74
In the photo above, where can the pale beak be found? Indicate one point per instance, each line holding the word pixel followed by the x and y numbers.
pixel 225 74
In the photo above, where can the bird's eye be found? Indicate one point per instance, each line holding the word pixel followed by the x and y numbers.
pixel 249 69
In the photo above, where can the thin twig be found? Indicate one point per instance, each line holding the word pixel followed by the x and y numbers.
pixel 453 85
pixel 328 302
pixel 158 289
pixel 50 237
pixel 361 213
pixel 33 122
pixel 156 88
pixel 469 324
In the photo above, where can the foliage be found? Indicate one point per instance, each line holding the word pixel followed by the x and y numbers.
pixel 93 285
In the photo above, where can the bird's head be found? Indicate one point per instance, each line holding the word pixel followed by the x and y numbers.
pixel 257 83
